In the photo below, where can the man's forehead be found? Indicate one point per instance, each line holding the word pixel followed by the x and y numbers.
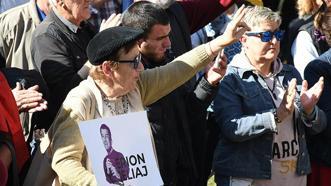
pixel 159 30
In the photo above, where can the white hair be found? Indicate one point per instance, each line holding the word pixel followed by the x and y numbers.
pixel 258 14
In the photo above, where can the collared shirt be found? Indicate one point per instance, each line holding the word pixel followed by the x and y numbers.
pixel 69 24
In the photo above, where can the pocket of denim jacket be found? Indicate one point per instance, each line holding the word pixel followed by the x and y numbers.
pixel 247 92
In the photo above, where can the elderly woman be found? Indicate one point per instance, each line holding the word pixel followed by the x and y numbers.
pixel 261 115
pixel 117 85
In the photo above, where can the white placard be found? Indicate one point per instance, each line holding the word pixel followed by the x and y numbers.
pixel 131 157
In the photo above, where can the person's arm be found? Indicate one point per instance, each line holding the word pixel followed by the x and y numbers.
pixel 158 82
pixel 200 12
pixel 303 51
pixel 67 144
pixel 207 86
pixel 59 68
pixel 235 123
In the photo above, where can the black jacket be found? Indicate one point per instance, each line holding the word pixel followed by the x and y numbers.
pixel 319 146
pixel 178 125
pixel 59 54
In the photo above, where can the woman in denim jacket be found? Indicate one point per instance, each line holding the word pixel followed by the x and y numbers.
pixel 264 112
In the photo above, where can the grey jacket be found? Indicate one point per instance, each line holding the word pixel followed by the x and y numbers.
pixel 17 26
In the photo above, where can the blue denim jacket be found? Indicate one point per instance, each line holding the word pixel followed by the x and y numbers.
pixel 243 108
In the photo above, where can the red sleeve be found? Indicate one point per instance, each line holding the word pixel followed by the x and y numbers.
pixel 10 122
pixel 200 12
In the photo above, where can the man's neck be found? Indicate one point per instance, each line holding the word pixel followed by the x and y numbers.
pixel 68 16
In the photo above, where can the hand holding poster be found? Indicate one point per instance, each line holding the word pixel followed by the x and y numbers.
pixel 121 151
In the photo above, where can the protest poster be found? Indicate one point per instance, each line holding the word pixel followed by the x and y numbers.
pixel 121 151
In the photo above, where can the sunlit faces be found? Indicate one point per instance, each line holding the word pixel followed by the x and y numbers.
pixel 125 77
pixel 79 10
pixel 156 43
pixel 258 50
pixel 106 138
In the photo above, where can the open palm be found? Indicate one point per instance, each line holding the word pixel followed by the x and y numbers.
pixel 310 97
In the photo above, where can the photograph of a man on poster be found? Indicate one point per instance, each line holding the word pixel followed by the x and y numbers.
pixel 114 164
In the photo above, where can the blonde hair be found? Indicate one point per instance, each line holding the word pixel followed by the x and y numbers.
pixel 306 7
pixel 259 14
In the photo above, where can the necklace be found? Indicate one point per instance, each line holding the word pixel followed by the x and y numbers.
pixel 117 106
pixel 272 91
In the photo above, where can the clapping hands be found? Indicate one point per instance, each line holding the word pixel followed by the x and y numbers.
pixel 29 100
pixel 308 98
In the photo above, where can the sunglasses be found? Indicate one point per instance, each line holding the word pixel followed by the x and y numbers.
pixel 267 36
pixel 135 62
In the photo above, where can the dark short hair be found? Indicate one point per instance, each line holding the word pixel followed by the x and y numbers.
pixel 104 126
pixel 144 15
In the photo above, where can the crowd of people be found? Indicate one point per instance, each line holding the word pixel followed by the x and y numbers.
pixel 243 107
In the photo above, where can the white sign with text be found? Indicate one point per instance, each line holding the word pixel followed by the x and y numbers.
pixel 121 150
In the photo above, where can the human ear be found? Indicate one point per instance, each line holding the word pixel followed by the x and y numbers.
pixel 106 67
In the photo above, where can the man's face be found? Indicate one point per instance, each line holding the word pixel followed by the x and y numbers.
pixel 156 43
pixel 106 139
pixel 79 9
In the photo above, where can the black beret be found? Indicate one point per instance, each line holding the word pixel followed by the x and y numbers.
pixel 107 42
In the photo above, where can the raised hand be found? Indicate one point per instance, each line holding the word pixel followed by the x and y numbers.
pixel 113 20
pixel 236 27
pixel 310 97
pixel 216 71
pixel 29 99
pixel 234 30
pixel 286 107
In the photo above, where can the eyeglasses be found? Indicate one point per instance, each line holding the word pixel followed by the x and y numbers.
pixel 135 62
pixel 267 36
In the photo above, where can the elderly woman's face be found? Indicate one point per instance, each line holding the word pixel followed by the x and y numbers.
pixel 260 49
pixel 127 74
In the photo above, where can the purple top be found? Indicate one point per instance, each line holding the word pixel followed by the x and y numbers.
pixel 115 167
